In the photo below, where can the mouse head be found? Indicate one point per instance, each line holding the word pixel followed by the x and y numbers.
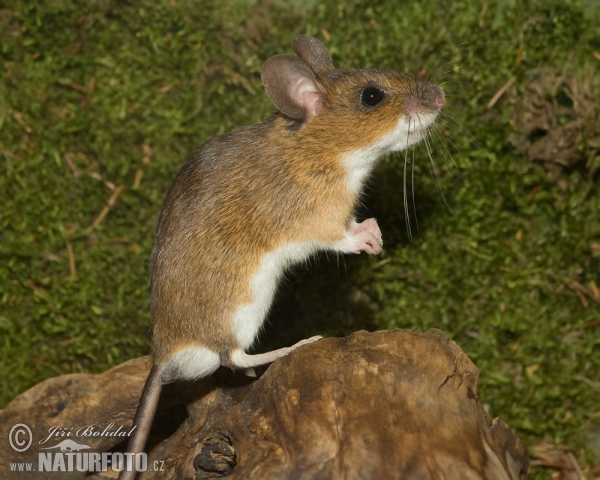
pixel 386 111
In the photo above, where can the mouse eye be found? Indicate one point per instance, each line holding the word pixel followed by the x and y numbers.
pixel 371 96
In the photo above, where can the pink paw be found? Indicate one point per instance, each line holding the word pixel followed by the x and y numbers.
pixel 365 237
pixel 369 225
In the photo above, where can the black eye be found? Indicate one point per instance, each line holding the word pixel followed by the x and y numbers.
pixel 371 96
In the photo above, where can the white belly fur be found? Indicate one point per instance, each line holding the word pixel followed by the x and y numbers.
pixel 248 319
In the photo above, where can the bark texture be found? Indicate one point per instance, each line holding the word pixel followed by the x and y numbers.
pixel 369 406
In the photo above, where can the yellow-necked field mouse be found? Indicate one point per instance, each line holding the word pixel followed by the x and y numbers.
pixel 252 202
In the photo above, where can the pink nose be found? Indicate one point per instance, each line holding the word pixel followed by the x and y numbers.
pixel 438 100
pixel 433 97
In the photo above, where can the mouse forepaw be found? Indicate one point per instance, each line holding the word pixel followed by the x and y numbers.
pixel 362 237
pixel 369 225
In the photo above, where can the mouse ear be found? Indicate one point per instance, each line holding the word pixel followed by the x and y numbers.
pixel 314 53
pixel 290 84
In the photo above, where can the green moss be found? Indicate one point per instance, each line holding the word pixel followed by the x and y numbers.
pixel 102 94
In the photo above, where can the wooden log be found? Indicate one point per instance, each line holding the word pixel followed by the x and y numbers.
pixel 394 404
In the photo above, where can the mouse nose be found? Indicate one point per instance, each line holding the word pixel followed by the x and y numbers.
pixel 433 97
pixel 439 99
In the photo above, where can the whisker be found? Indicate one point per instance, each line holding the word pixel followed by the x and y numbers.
pixel 435 130
pixel 413 191
pixel 406 214
pixel 449 139
pixel 435 173
pixel 435 65
pixel 449 72
pixel 449 116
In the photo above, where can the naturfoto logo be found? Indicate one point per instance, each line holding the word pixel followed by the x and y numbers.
pixel 74 460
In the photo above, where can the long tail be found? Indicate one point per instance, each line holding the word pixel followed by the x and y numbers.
pixel 144 417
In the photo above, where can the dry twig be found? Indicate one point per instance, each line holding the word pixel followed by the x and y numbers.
pixel 105 210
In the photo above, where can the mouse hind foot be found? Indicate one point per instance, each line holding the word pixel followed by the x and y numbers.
pixel 243 360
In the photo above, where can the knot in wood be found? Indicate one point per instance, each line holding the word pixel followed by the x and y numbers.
pixel 217 455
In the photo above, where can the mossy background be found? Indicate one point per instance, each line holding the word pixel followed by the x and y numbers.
pixel 106 96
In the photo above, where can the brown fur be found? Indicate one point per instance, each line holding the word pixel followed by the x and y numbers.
pixel 248 192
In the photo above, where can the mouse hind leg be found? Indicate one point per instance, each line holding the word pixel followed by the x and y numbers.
pixel 243 360
pixel 190 363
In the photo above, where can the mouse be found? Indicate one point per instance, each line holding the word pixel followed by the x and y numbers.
pixel 252 202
